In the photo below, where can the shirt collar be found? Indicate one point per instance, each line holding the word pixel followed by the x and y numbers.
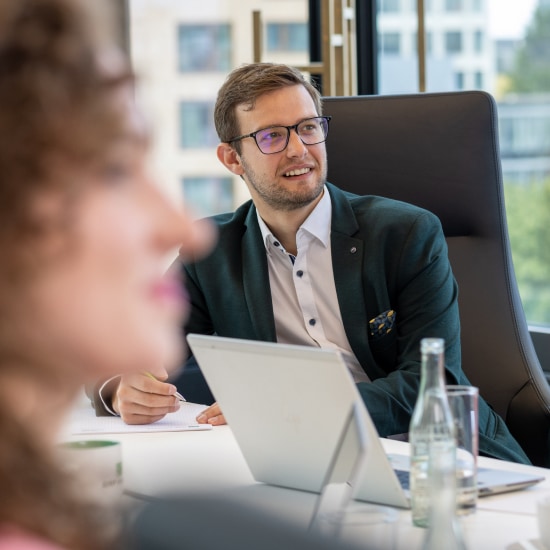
pixel 317 223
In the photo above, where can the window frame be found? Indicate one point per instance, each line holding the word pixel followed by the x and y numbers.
pixel 367 84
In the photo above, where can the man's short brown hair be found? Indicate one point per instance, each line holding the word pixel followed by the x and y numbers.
pixel 246 84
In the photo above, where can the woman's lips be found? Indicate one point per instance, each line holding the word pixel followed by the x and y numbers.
pixel 171 292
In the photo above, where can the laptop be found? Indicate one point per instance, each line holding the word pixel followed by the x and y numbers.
pixel 288 407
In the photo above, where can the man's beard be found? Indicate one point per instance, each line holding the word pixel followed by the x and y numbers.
pixel 280 198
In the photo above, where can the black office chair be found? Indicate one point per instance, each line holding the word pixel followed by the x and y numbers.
pixel 440 151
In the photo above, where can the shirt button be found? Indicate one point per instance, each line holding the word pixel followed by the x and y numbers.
pixel 312 322
pixel 276 243
pixel 300 273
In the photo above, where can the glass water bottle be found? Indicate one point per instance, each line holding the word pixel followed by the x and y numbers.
pixel 444 529
pixel 431 432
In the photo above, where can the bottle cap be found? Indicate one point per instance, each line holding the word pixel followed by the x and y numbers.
pixel 432 345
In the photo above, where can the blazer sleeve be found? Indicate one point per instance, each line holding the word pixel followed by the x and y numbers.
pixel 424 295
pixel 421 289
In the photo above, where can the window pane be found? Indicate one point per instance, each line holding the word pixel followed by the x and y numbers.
pixel 500 46
pixel 453 5
pixel 478 41
pixel 197 129
pixel 287 37
pixel 390 43
pixel 478 5
pixel 389 6
pixel 478 80
pixel 453 42
pixel 208 195
pixel 204 48
pixel 523 93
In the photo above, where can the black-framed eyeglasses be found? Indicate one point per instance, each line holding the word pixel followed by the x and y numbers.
pixel 274 139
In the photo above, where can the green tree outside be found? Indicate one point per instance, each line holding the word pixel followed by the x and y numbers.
pixel 528 205
pixel 528 208
pixel 531 72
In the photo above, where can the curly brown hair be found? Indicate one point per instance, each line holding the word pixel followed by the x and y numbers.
pixel 39 498
pixel 246 84
pixel 56 104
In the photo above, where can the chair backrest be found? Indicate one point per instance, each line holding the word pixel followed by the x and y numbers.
pixel 440 151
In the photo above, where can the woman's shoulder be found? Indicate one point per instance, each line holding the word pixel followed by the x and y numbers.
pixel 17 540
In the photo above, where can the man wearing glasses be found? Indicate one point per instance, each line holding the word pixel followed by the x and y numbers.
pixel 305 263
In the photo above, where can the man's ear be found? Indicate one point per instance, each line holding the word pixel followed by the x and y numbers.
pixel 230 158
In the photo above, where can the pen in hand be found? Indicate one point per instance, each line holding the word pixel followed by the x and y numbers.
pixel 177 394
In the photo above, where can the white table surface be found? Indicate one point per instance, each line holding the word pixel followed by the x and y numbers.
pixel 170 462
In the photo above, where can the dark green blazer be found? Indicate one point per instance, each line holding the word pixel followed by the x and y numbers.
pixel 386 255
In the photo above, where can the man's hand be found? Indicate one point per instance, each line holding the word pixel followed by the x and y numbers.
pixel 212 415
pixel 142 400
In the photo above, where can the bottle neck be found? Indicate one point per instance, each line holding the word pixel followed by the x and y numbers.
pixel 432 372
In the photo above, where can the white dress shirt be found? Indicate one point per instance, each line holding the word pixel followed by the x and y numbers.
pixel 303 292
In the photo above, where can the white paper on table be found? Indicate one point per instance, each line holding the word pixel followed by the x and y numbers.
pixel 84 421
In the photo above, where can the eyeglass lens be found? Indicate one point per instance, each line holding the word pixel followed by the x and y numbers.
pixel 275 139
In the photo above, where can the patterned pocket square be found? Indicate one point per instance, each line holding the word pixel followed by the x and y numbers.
pixel 382 324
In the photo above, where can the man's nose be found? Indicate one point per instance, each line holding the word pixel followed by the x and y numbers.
pixel 296 147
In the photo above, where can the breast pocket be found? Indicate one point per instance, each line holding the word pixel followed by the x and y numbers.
pixel 383 340
pixel 382 325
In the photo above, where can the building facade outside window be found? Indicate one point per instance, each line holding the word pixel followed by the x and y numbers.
pixel 389 6
pixel 454 5
pixel 208 194
pixel 182 51
pixel 478 41
pixel 287 37
pixel 204 48
pixel 453 42
pixel 390 43
pixel 482 44
pixel 477 5
pixel 428 43
pixel 196 128
pixel 478 80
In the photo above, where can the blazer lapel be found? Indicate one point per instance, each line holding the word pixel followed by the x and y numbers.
pixel 347 262
pixel 256 280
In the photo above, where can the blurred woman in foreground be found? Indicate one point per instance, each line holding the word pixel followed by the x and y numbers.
pixel 84 238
